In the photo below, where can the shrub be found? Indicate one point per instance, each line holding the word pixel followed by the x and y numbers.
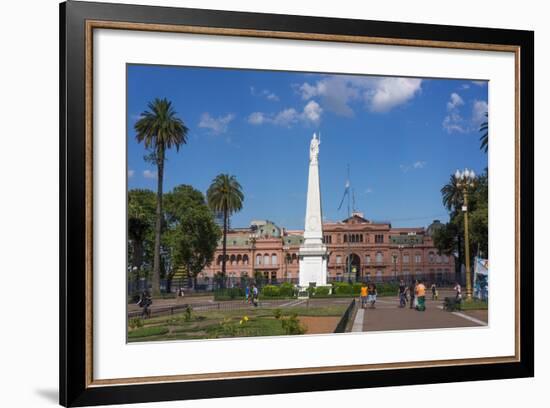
pixel 287 290
pixel 342 288
pixel 148 331
pixel 277 313
pixel 270 291
pixel 188 313
pixel 135 323
pixel 292 325
pixel 228 293
pixel 322 291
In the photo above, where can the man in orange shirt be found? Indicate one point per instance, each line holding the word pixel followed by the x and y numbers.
pixel 363 296
pixel 420 296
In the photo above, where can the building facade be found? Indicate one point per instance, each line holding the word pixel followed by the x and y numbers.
pixel 359 250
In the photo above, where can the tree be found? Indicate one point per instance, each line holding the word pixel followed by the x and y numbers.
pixel 192 232
pixel 484 139
pixel 452 195
pixel 141 221
pixel 225 195
pixel 159 129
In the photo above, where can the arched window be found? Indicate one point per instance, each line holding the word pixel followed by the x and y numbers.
pixel 445 259
pixel 379 257
pixel 258 259
pixel 274 260
pixel 417 257
pixel 379 276
pixel 438 259
pixel 266 259
pixel 294 258
pixel 406 257
pixel 367 259
pixel 245 259
pixel 345 238
pixel 431 256
pixel 239 259
pixel 233 259
pixel 219 261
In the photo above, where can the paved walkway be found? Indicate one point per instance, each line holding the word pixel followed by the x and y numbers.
pixel 388 316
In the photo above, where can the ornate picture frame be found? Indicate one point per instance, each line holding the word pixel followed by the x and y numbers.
pixel 79 20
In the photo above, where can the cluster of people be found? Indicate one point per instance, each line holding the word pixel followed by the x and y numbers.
pixel 368 295
pixel 415 293
pixel 251 294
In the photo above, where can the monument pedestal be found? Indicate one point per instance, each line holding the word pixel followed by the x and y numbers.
pixel 313 266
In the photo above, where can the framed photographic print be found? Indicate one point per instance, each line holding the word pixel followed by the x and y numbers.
pixel 256 204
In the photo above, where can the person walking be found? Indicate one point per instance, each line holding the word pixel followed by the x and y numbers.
pixel 247 294
pixel 371 297
pixel 363 295
pixel 420 296
pixel 412 292
pixel 434 291
pixel 402 293
pixel 254 295
pixel 458 292
pixel 145 302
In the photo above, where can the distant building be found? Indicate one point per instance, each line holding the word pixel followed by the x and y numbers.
pixel 378 252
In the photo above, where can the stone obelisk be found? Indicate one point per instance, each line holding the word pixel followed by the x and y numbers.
pixel 313 253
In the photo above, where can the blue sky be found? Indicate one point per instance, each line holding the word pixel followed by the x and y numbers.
pixel 402 138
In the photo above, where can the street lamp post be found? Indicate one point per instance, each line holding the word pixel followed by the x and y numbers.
pixel 465 181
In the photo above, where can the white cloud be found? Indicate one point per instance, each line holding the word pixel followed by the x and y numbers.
pixel 478 112
pixel 479 83
pixel 266 93
pixel 256 118
pixel 216 125
pixel 465 86
pixel 454 122
pixel 338 93
pixel 454 102
pixel 148 174
pixel 131 173
pixel 311 114
pixel 417 165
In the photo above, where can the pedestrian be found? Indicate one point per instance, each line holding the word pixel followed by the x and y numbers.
pixel 412 292
pixel 402 293
pixel 420 296
pixel 363 295
pixel 371 297
pixel 458 292
pixel 247 294
pixel 145 302
pixel 254 295
pixel 434 291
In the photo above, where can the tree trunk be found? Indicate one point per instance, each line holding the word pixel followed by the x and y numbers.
pixel 224 250
pixel 158 224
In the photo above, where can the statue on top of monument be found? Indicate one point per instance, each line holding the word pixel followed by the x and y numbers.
pixel 314 149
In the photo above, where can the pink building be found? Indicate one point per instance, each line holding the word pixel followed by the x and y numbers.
pixel 377 252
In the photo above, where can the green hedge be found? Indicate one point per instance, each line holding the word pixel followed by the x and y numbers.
pixel 229 294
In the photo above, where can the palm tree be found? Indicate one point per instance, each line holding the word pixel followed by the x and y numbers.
pixel 484 139
pixel 159 129
pixel 452 195
pixel 225 195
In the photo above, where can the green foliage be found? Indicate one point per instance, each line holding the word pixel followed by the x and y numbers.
pixel 292 325
pixel 342 288
pixel 356 288
pixel 188 315
pixel 135 323
pixel 287 289
pixel 229 294
pixel 387 288
pixel 141 227
pixel 277 313
pixel 474 304
pixel 270 291
pixel 322 291
pixel 159 129
pixel 148 331
pixel 192 233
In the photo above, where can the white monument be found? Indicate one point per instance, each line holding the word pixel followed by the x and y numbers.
pixel 313 253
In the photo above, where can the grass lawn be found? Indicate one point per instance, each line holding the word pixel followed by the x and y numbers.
pixel 474 304
pixel 214 324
